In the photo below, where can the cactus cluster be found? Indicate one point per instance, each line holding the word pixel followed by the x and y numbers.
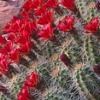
pixel 64 51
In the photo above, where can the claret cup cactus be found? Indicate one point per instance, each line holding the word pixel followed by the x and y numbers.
pixel 51 51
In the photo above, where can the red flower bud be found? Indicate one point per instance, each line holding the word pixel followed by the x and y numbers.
pixel 46 33
pixel 64 58
pixel 14 55
pixel 46 18
pixel 34 78
pixel 23 94
pixel 31 80
pixel 66 23
pixel 24 91
pixel 70 4
pixel 96 69
pixel 92 25
pixel 28 83
pixel 21 97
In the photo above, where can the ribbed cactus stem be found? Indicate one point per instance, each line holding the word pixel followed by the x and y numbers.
pixel 44 74
pixel 16 85
pixel 63 77
pixel 90 50
pixel 91 84
pixel 82 86
pixel 85 49
pixel 87 9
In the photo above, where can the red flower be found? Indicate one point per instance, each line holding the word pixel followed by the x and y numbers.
pixel 96 69
pixel 46 33
pixel 51 3
pixel 31 80
pixel 11 36
pixel 3 65
pixel 46 18
pixel 25 47
pixel 70 4
pixel 25 34
pixel 7 28
pixel 3 51
pixel 12 25
pixel 23 94
pixel 14 19
pixel 31 4
pixel 2 39
pixel 66 23
pixel 8 46
pixel 21 40
pixel 26 25
pixel 24 14
pixel 92 25
pixel 14 55
pixel 33 25
pixel 36 3
pixel 40 10
pixel 28 5
pixel 15 25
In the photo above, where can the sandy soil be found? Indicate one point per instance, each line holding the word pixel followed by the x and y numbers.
pixel 8 10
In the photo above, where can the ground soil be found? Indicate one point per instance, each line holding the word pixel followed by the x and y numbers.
pixel 7 10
